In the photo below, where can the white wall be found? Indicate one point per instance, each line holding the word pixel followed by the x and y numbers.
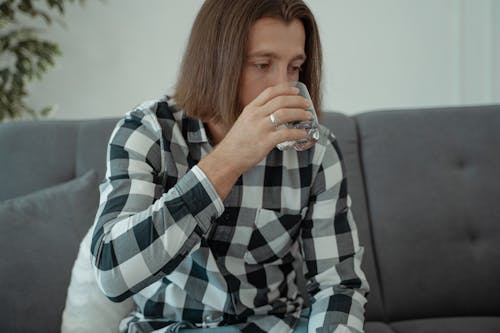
pixel 495 40
pixel 378 54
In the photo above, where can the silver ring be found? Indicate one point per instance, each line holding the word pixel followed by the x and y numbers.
pixel 273 119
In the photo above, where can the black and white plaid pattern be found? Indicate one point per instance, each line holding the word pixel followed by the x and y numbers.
pixel 164 237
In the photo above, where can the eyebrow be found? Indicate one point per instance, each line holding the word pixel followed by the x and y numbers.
pixel 273 55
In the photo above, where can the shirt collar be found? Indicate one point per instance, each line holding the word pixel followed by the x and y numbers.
pixel 196 132
pixel 195 129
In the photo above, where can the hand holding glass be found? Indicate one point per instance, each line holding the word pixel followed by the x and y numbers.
pixel 311 126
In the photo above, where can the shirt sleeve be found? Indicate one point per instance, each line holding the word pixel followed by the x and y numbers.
pixel 332 254
pixel 144 229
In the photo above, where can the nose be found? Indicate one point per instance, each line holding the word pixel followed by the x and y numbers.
pixel 280 75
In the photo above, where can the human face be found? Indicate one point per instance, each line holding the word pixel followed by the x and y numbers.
pixel 275 54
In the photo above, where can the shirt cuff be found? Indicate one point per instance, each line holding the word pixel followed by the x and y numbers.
pixel 200 197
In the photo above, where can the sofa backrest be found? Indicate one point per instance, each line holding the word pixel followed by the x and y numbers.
pixel 39 154
pixel 432 189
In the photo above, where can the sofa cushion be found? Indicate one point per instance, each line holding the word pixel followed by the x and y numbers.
pixel 87 308
pixel 39 237
pixel 449 325
pixel 433 198
pixel 377 327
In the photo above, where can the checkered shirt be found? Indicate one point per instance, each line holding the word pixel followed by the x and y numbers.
pixel 164 237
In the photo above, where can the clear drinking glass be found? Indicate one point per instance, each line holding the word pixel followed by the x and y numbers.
pixel 311 126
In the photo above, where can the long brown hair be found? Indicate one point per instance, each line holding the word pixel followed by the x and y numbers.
pixel 208 84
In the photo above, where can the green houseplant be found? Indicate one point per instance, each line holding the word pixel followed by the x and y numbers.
pixel 25 54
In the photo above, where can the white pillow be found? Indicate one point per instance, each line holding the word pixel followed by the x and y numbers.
pixel 87 309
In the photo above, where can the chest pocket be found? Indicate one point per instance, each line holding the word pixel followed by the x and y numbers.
pixel 272 236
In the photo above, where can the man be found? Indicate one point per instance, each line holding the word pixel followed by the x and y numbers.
pixel 202 220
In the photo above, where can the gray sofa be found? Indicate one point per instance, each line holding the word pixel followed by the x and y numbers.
pixel 425 186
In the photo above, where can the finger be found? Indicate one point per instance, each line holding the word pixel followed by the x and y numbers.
pixel 272 92
pixel 284 116
pixel 288 134
pixel 285 102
